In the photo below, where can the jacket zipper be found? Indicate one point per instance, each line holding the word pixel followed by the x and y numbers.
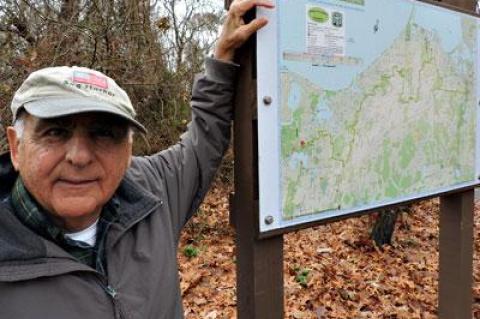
pixel 111 291
pixel 113 295
pixel 118 309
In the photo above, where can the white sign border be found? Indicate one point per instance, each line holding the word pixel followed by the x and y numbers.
pixel 270 211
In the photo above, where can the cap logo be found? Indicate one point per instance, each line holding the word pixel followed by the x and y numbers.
pixel 90 78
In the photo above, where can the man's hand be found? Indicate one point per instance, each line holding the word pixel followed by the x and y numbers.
pixel 234 31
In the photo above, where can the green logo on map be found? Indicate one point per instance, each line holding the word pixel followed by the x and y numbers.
pixel 317 14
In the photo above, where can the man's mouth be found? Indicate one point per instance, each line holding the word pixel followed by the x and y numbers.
pixel 77 182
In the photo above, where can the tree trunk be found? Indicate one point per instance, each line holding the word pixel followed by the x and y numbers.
pixel 69 11
pixel 382 231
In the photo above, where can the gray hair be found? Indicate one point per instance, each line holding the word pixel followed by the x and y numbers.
pixel 131 133
pixel 19 126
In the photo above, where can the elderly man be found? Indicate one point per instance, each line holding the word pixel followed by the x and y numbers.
pixel 87 231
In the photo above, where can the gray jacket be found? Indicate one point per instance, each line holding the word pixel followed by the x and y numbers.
pixel 158 195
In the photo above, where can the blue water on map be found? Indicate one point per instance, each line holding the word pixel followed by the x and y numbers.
pixel 449 33
pixel 323 111
pixel 298 159
pixel 362 40
pixel 294 96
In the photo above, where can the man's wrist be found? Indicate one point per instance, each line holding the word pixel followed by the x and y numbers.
pixel 220 70
pixel 226 56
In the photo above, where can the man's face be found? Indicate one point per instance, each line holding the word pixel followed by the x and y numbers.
pixel 72 165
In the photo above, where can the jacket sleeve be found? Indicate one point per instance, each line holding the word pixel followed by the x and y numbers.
pixel 186 169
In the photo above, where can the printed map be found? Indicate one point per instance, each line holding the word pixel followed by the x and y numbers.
pixel 378 103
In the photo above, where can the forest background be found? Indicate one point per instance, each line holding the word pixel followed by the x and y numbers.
pixel 153 49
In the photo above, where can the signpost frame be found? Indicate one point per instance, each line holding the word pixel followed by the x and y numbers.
pixel 260 260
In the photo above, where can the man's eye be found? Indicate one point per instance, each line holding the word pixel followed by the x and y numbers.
pixel 56 132
pixel 113 134
pixel 103 133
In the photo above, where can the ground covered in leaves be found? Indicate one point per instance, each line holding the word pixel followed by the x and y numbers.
pixel 330 271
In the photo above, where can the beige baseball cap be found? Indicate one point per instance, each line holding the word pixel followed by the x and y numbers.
pixel 60 91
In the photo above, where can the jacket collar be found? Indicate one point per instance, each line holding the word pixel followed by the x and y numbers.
pixel 134 202
pixel 8 176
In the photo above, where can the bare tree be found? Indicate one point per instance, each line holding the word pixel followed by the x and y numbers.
pixel 188 23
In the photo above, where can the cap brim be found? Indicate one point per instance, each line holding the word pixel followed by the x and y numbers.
pixel 56 107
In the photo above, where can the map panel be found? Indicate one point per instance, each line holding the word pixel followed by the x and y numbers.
pixel 374 102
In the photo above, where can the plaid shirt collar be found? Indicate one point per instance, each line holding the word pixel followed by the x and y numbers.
pixel 37 219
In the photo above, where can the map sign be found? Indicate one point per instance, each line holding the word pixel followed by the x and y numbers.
pixel 363 104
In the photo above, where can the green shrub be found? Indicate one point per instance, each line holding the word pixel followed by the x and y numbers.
pixel 190 251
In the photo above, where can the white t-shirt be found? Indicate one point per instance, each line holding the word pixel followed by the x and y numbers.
pixel 88 235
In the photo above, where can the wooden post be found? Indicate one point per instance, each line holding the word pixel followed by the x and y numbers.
pixel 456 242
pixel 259 262
pixel 464 4
pixel 456 256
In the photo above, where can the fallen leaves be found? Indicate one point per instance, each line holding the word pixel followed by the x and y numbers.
pixel 330 272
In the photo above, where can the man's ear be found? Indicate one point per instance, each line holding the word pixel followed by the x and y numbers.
pixel 14 144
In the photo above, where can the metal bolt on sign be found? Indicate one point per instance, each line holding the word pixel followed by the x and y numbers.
pixel 267 100
pixel 269 220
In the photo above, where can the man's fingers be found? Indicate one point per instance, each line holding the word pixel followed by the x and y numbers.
pixel 245 31
pixel 235 32
pixel 253 26
pixel 240 7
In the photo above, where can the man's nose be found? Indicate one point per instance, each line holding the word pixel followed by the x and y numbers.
pixel 80 150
